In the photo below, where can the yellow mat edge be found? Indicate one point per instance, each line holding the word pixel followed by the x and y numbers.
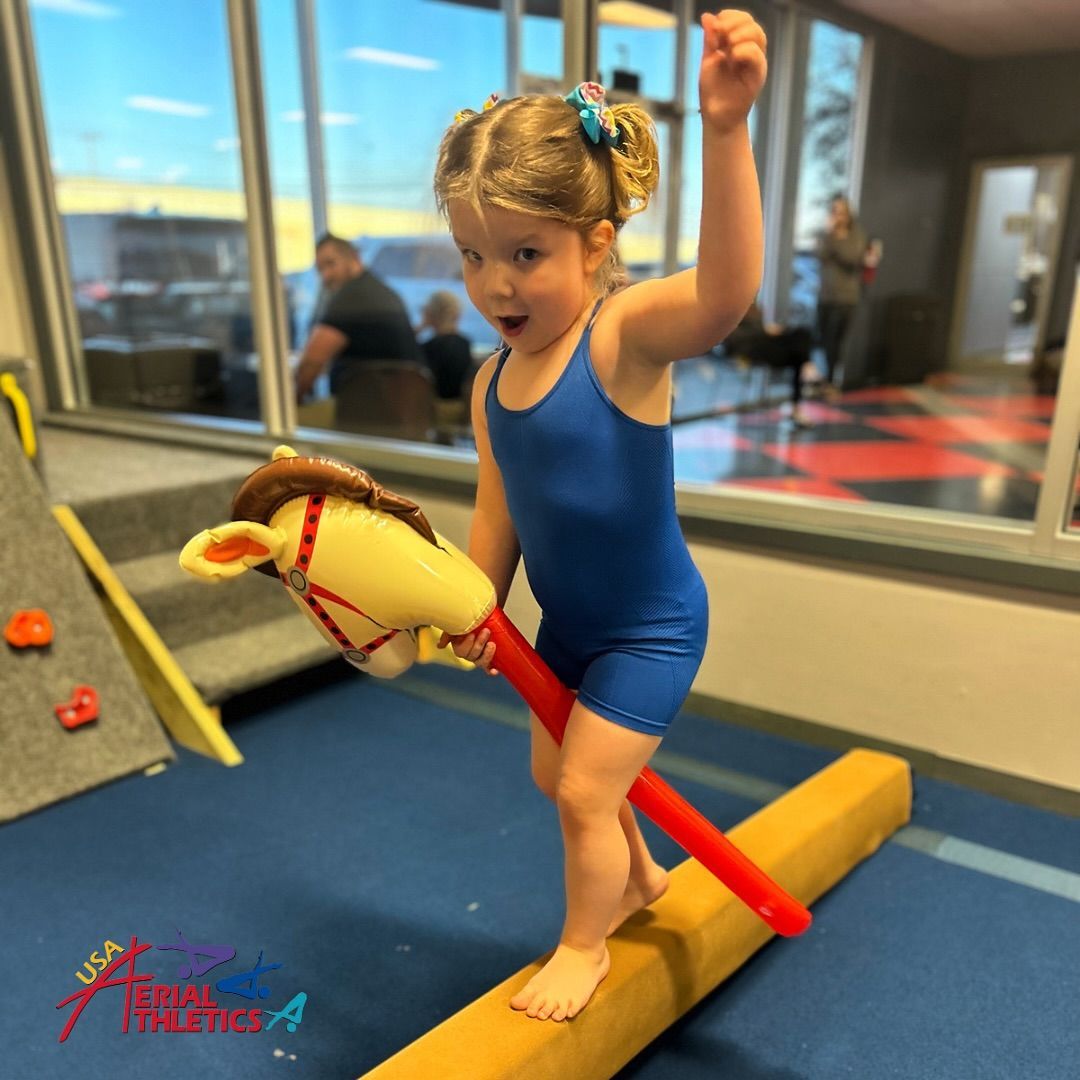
pixel 188 719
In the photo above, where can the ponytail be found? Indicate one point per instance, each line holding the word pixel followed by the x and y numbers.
pixel 635 165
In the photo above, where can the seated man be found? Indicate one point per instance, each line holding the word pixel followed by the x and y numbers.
pixel 364 319
pixel 775 347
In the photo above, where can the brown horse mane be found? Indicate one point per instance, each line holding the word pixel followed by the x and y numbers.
pixel 274 484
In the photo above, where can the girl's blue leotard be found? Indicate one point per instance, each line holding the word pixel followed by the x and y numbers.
pixel 591 492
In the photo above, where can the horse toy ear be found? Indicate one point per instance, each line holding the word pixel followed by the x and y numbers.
pixel 228 550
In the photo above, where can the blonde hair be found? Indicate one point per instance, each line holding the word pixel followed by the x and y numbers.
pixel 531 155
pixel 442 309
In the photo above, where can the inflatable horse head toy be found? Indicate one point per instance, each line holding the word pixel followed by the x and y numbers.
pixel 361 562
pixel 375 579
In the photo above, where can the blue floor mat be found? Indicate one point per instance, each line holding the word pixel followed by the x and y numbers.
pixel 393 857
pixel 939 805
pixel 912 969
pixel 391 854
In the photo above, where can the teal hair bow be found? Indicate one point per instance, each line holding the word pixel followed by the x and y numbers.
pixel 589 99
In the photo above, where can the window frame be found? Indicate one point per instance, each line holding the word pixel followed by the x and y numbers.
pixel 1043 553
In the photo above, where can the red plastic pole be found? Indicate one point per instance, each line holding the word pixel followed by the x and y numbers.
pixel 551 702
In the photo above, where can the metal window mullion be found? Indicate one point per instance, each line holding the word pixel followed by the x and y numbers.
pixel 785 123
pixel 684 12
pixel 579 40
pixel 42 227
pixel 513 17
pixel 861 121
pixel 309 79
pixel 267 298
pixel 1057 492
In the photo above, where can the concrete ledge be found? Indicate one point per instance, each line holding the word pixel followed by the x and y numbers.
pixel 666 960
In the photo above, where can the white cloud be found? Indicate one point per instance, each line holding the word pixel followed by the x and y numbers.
pixel 88 9
pixel 129 164
pixel 329 119
pixel 166 105
pixel 392 59
pixel 229 142
pixel 174 173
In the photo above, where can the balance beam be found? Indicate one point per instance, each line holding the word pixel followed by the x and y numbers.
pixel 665 960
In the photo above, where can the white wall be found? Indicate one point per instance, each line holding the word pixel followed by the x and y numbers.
pixel 980 674
pixel 985 675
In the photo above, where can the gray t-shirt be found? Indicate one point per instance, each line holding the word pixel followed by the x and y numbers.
pixel 841 266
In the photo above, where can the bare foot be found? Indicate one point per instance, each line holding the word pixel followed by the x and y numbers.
pixel 563 986
pixel 638 895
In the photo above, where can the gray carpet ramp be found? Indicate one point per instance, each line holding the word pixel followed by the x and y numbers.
pixel 135 524
pixel 186 611
pixel 229 664
pixel 41 762
pixel 228 638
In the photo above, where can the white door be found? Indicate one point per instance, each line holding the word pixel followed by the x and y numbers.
pixel 1014 224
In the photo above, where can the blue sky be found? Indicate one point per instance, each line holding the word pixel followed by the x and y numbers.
pixel 141 90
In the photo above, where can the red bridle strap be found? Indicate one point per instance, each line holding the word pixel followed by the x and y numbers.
pixel 311 592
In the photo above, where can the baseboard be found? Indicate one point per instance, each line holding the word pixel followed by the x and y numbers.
pixel 1016 789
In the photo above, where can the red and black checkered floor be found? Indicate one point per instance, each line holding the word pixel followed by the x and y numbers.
pixel 969 448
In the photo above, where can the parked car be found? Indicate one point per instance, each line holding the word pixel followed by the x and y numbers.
pixel 146 275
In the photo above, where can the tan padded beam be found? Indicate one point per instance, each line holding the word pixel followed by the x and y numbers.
pixel 665 960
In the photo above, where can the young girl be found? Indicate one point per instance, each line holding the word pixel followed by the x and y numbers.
pixel 572 423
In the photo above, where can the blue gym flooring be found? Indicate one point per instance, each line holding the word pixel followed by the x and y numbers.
pixel 383 844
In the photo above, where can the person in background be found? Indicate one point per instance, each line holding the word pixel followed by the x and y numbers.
pixel 841 249
pixel 364 319
pixel 448 353
pixel 775 347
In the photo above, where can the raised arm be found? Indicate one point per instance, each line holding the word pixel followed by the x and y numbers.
pixel 687 313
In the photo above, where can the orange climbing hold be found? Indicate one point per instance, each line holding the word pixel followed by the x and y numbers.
pixel 81 709
pixel 29 627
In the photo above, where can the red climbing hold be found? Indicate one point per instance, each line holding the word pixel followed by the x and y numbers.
pixel 28 626
pixel 81 709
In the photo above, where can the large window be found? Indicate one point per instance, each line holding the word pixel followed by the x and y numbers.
pixel 637 48
pixel 141 129
pixel 825 155
pixel 387 95
pixel 294 225
pixel 945 393
pixel 542 40
pixel 396 92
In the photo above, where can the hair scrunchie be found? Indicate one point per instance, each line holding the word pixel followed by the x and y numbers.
pixel 590 101
pixel 464 114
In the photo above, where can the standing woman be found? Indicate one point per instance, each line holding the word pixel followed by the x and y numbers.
pixel 841 249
